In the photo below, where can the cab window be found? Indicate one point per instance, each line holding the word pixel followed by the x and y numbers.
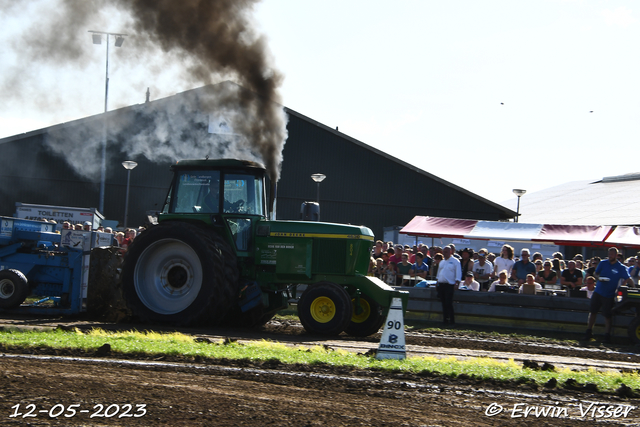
pixel 193 192
pixel 243 194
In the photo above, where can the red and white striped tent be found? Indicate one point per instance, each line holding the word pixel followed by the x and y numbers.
pixel 566 235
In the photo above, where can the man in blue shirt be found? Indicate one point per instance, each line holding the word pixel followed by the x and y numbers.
pixel 523 267
pixel 609 273
pixel 419 268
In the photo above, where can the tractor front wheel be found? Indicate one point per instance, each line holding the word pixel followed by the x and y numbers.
pixel 367 318
pixel 634 330
pixel 325 308
pixel 14 288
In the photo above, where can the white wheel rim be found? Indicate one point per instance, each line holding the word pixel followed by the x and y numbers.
pixel 168 276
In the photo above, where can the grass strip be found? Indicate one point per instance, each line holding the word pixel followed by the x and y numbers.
pixel 178 344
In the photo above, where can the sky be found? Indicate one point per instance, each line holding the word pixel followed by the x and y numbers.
pixel 489 95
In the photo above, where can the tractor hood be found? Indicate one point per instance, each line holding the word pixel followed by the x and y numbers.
pixel 314 230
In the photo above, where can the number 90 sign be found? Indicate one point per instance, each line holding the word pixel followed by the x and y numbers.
pixel 394 325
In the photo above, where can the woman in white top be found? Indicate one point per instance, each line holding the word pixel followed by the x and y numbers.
pixel 504 262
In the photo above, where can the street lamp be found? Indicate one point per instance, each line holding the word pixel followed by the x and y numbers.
pixel 318 177
pixel 128 165
pixel 518 192
pixel 96 36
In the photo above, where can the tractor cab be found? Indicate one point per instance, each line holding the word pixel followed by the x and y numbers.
pixel 229 194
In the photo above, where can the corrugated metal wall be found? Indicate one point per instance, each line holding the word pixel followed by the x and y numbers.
pixel 30 173
pixel 363 186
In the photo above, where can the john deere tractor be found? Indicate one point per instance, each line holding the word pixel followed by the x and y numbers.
pixel 215 257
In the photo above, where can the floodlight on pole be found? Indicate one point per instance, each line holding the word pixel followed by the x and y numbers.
pixel 97 39
pixel 518 192
pixel 318 177
pixel 128 165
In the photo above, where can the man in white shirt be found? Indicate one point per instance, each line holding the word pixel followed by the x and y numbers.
pixel 449 273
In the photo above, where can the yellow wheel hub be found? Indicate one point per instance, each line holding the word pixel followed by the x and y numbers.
pixel 364 315
pixel 638 332
pixel 323 309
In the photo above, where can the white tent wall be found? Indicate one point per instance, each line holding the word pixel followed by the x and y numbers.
pixel 493 246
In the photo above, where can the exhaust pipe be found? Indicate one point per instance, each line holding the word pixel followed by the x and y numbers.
pixel 273 189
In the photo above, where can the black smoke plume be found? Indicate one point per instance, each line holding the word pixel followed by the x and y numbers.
pixel 211 40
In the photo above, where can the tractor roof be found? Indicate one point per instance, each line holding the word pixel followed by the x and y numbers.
pixel 216 164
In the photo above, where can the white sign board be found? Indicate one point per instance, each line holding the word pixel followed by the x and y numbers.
pixel 58 214
pixel 75 239
pixel 102 239
pixel 6 227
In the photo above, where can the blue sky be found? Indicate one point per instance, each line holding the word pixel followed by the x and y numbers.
pixel 490 95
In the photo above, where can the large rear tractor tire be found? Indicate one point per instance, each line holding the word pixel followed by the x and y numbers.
pixel 633 330
pixel 325 309
pixel 14 288
pixel 180 274
pixel 366 319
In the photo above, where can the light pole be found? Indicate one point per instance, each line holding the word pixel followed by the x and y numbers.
pixel 97 39
pixel 128 165
pixel 518 192
pixel 318 177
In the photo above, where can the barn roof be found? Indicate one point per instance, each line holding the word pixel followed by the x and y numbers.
pixel 507 213
pixel 613 200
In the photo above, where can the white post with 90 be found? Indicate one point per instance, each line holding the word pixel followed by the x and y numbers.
pixel 392 344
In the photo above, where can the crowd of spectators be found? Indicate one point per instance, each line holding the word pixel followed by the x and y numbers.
pixel 404 265
pixel 420 265
pixel 121 239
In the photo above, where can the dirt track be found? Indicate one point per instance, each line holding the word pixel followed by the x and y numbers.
pixel 196 392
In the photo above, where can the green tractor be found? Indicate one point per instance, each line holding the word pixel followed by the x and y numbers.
pixel 216 258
